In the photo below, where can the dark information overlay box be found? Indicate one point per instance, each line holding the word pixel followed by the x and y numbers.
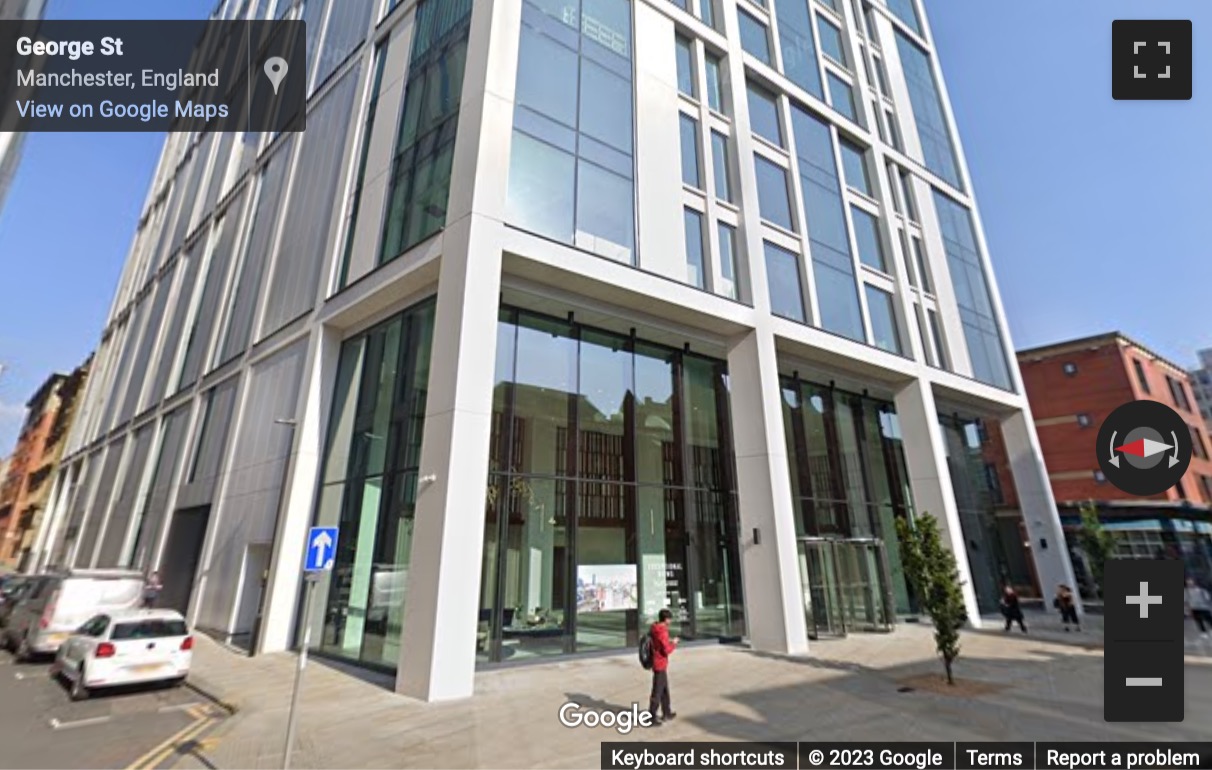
pixel 932 755
pixel 695 756
pixel 153 76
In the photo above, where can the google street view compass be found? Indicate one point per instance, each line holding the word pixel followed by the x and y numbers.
pixel 1144 447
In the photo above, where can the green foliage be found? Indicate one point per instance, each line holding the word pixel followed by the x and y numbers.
pixel 1097 543
pixel 932 572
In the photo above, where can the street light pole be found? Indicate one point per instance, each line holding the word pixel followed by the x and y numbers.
pixel 310 580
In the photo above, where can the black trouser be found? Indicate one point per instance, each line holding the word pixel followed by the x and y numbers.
pixel 1013 616
pixel 1203 618
pixel 1069 615
pixel 660 694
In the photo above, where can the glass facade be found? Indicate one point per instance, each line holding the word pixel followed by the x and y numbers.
pixel 369 485
pixel 571 175
pixel 753 36
pixel 848 472
pixel 832 264
pixel 610 495
pixel 938 149
pixel 972 293
pixel 420 176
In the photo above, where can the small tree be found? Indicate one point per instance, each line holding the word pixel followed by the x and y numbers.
pixel 932 572
pixel 1096 542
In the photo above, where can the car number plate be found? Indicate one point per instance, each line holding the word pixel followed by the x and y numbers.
pixel 146 667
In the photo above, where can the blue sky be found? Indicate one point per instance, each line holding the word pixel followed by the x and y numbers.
pixel 1096 211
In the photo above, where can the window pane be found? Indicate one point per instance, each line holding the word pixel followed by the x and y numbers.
pixel 764 115
pixel 694 247
pixel 607 115
pixel 753 37
pixel 919 256
pixel 883 321
pixel 783 278
pixel 867 234
pixel 894 134
pixel 690 151
pixel 720 162
pixel 855 166
pixel 831 40
pixel 540 195
pixel 772 192
pixel 881 79
pixel 715 86
pixel 799 51
pixel 547 77
pixel 727 236
pixel 707 12
pixel 893 191
pixel 906 12
pixel 605 220
pixel 938 151
pixel 685 56
pixel 940 353
pixel 841 97
pixel 907 185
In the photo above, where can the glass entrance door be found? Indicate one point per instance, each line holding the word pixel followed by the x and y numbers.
pixel 846 586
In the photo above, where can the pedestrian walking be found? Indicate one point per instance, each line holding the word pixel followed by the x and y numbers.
pixel 151 590
pixel 1068 608
pixel 1199 604
pixel 1011 610
pixel 662 648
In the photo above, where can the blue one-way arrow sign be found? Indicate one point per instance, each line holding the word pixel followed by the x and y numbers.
pixel 321 546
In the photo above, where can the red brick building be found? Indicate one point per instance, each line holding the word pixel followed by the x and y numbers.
pixel 1072 387
pixel 25 488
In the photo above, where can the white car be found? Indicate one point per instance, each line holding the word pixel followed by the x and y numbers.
pixel 127 647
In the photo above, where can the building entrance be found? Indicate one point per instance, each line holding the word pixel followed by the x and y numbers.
pixel 846 585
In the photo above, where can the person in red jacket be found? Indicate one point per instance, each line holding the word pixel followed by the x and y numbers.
pixel 662 648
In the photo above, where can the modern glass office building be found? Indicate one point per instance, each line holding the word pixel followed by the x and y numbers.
pixel 562 311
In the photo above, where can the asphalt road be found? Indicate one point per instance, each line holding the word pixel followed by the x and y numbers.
pixel 40 727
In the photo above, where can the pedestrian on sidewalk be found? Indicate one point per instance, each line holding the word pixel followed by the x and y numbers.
pixel 1199 604
pixel 151 590
pixel 662 648
pixel 1011 610
pixel 1068 608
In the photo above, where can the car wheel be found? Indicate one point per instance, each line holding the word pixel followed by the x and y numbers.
pixel 79 691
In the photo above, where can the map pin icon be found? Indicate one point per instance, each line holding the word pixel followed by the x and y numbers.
pixel 276 69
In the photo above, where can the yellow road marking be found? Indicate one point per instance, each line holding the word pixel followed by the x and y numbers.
pixel 202 719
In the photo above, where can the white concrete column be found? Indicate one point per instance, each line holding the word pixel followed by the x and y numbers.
pixel 441 612
pixel 1037 504
pixel 296 510
pixel 930 478
pixel 774 595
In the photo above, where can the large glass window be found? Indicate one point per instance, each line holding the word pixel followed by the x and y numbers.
pixel 831 40
pixel 368 130
pixel 773 199
pixel 424 153
pixel 867 236
pixel 984 340
pixel 571 173
pixel 832 265
pixel 848 471
pixel 685 55
pixel 369 486
pixel 715 83
pixel 906 11
pixel 610 493
pixel 753 36
pixel 841 97
pixel 783 279
pixel 883 320
pixel 938 149
pixel 799 52
pixel 764 115
pixel 854 163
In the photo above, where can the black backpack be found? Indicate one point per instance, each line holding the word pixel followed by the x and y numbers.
pixel 646 651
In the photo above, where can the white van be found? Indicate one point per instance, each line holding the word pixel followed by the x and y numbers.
pixel 55 605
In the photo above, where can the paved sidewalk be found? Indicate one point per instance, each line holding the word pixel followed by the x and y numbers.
pixel 1043 686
